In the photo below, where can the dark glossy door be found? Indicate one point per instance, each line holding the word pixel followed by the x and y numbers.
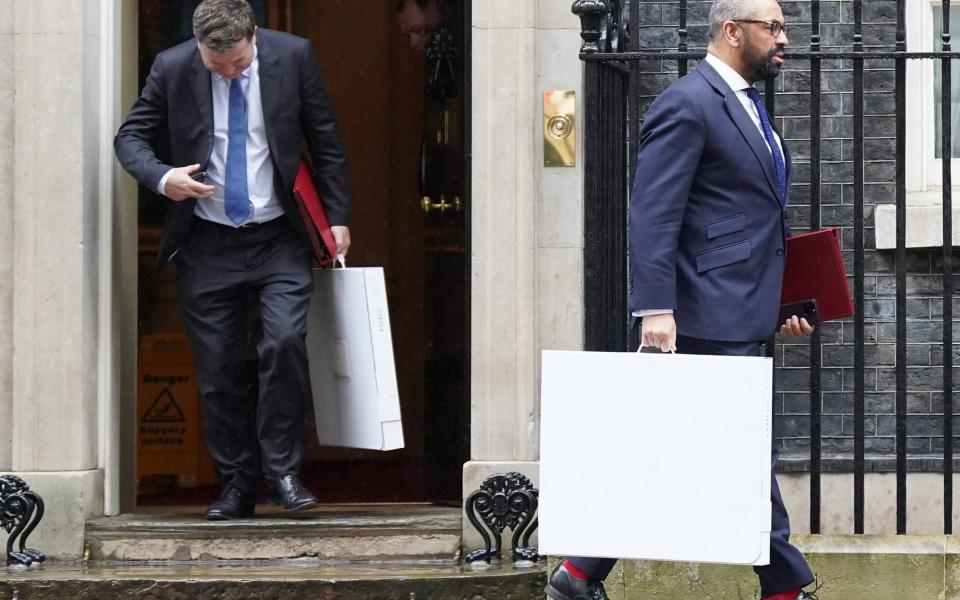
pixel 403 118
pixel 444 189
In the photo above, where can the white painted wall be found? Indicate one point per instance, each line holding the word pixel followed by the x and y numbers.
pixel 559 193
pixel 6 234
pixel 55 251
pixel 503 231
pixel 527 224
pixel 50 116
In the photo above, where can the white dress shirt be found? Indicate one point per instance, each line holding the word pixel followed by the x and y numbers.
pixel 739 85
pixel 259 166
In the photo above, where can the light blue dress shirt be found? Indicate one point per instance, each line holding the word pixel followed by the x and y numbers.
pixel 259 166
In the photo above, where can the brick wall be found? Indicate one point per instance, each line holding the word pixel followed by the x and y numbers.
pixel 657 29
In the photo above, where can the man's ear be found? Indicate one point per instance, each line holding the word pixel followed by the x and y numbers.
pixel 732 33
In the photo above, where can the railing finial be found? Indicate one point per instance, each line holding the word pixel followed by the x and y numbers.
pixel 591 13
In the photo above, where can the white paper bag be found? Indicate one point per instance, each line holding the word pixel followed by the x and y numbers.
pixel 352 371
pixel 660 457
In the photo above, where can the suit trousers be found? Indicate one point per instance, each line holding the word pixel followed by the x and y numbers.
pixel 253 403
pixel 788 569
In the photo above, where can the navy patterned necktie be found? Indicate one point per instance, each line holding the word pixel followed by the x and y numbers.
pixel 778 161
pixel 236 198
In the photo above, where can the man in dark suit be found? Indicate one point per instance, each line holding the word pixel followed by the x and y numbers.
pixel 237 102
pixel 708 228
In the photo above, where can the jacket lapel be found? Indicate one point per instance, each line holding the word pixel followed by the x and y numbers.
pixel 746 126
pixel 200 82
pixel 271 78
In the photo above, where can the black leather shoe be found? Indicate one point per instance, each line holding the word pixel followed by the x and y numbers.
pixel 288 492
pixel 233 504
pixel 812 594
pixel 564 586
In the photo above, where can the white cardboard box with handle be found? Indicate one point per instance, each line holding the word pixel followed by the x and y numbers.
pixel 659 457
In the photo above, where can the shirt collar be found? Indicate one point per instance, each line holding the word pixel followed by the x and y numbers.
pixel 733 79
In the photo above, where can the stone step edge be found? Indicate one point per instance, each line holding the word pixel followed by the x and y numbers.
pixel 367 547
pixel 93 570
pixel 139 523
pixel 302 531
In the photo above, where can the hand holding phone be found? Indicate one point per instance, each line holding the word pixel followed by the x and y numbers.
pixel 805 309
pixel 187 182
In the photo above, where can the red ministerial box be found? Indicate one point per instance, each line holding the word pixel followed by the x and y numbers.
pixel 314 217
pixel 815 271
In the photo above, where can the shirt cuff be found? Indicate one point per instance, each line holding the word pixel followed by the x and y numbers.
pixel 163 182
pixel 648 312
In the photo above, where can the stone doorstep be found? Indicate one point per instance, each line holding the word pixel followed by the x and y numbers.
pixel 333 533
pixel 273 580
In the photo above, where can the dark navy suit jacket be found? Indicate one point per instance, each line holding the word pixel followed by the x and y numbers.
pixel 708 226
pixel 171 124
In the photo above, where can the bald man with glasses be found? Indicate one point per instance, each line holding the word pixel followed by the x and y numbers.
pixel 708 229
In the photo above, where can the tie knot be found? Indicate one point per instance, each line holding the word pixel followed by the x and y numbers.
pixel 753 94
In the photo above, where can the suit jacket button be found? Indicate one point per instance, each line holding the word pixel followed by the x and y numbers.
pixel 779 251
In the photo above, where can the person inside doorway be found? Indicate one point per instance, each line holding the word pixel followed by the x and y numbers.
pixel 418 19
pixel 234 231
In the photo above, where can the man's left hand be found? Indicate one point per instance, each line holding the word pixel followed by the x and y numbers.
pixel 341 235
pixel 794 327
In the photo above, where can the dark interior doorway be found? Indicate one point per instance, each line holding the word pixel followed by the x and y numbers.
pixel 403 118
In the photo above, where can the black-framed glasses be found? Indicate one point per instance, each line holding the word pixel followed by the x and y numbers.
pixel 774 27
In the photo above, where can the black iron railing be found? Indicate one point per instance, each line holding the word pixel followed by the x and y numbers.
pixel 21 510
pixel 613 53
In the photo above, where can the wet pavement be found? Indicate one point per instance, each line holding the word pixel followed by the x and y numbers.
pixel 266 580
pixel 304 569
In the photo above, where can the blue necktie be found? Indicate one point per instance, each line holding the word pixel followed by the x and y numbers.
pixel 236 198
pixel 778 162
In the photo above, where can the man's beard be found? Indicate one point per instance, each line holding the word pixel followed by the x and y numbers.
pixel 765 68
pixel 768 68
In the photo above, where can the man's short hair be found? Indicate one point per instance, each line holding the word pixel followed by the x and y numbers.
pixel 728 10
pixel 221 24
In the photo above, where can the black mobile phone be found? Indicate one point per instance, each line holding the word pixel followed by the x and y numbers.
pixel 199 176
pixel 805 309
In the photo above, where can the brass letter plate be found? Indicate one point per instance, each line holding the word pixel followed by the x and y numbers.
pixel 559 132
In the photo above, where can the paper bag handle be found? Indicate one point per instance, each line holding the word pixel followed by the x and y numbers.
pixel 342 260
pixel 641 348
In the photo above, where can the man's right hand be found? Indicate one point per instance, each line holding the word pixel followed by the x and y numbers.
pixel 659 331
pixel 180 186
